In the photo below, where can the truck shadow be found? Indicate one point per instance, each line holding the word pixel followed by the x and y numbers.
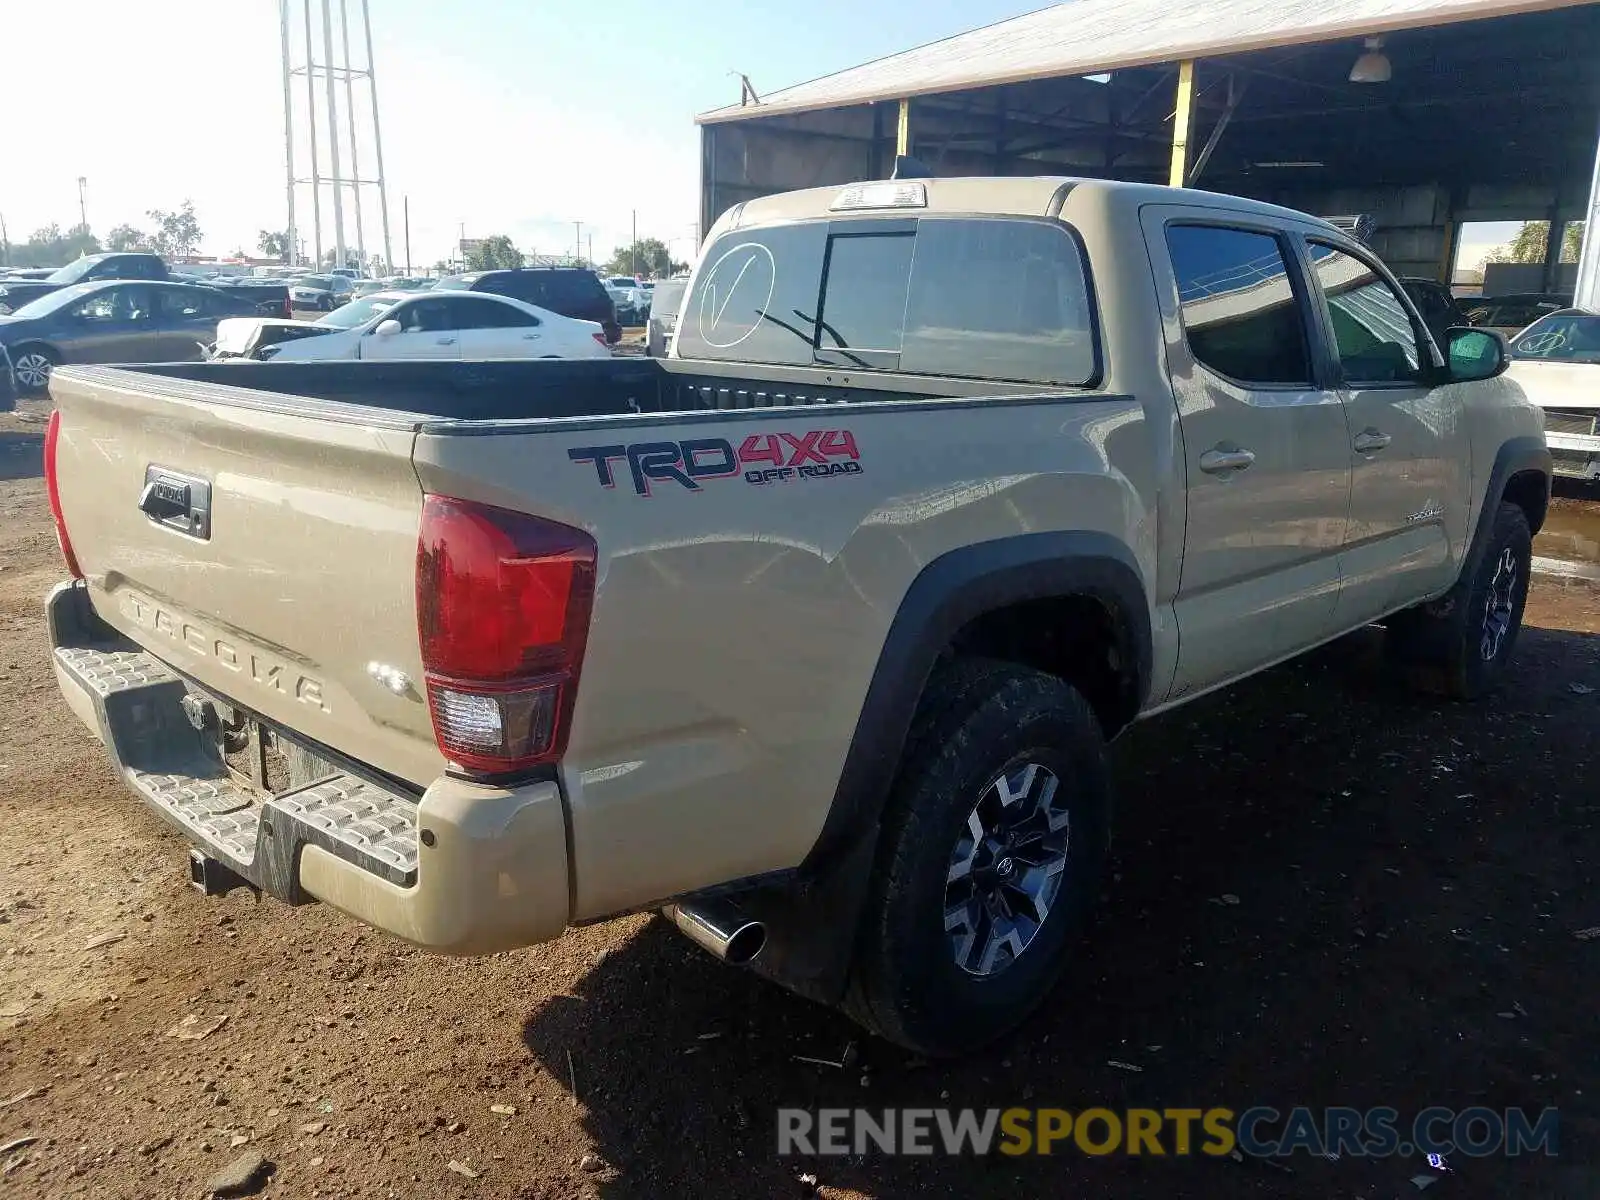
pixel 1325 891
pixel 21 455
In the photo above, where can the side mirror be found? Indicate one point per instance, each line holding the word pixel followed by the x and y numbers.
pixel 387 328
pixel 1473 354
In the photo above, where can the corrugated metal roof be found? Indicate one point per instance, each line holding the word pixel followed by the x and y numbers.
pixel 1085 37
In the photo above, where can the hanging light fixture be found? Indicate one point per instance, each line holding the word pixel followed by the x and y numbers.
pixel 1373 65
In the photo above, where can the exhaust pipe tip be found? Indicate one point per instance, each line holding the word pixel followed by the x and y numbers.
pixel 746 942
pixel 719 928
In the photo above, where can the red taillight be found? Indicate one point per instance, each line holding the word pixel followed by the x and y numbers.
pixel 503 603
pixel 52 487
pixel 600 339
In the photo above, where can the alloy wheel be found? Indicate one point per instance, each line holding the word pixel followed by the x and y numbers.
pixel 1499 605
pixel 1006 869
pixel 32 370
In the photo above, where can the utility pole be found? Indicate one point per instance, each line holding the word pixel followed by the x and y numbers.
pixel 578 232
pixel 591 249
pixel 5 241
pixel 83 212
pixel 408 234
pixel 636 243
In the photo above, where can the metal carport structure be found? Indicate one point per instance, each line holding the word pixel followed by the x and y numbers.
pixel 1491 111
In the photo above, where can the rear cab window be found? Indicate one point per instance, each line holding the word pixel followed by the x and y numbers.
pixel 1244 317
pixel 1003 298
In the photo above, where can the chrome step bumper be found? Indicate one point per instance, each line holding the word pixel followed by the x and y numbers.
pixel 469 868
pixel 136 704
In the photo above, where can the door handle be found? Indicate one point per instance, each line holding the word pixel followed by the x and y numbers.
pixel 1222 462
pixel 530 337
pixel 1370 441
pixel 450 341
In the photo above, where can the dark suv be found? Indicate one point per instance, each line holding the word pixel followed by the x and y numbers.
pixel 570 291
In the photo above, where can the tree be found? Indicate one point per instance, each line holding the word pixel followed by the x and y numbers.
pixel 494 254
pixel 177 233
pixel 274 245
pixel 126 237
pixel 80 241
pixel 1528 245
pixel 49 247
pixel 647 256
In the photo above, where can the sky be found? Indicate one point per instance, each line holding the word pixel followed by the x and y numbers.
pixel 499 116
pixel 519 117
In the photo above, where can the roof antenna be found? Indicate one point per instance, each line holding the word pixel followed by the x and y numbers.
pixel 906 167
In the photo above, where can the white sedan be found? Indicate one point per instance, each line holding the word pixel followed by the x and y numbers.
pixel 1556 360
pixel 393 326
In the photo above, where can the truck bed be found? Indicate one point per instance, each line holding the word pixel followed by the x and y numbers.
pixel 550 389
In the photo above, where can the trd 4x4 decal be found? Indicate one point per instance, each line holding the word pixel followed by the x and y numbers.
pixel 762 458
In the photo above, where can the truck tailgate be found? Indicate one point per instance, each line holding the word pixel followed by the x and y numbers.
pixel 265 550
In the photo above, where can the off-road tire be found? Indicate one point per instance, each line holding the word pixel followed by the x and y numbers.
pixel 1448 647
pixel 977 719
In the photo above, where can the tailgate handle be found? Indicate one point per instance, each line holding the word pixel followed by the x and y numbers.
pixel 179 502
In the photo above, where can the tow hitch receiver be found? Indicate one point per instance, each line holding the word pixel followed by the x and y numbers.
pixel 213 877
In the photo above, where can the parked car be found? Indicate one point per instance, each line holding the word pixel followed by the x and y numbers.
pixel 15 293
pixel 667 297
pixel 389 326
pixel 570 291
pixel 270 296
pixel 395 283
pixel 322 293
pixel 115 321
pixel 8 381
pixel 630 297
pixel 1557 362
pixel 1439 308
pixel 813 634
pixel 1510 315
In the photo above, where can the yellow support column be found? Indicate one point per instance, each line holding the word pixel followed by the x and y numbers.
pixel 902 143
pixel 1183 124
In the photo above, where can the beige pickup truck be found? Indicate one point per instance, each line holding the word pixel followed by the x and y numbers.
pixel 811 635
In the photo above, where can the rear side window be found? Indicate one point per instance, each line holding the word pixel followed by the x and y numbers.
pixel 567 288
pixel 987 299
pixel 488 314
pixel 1242 315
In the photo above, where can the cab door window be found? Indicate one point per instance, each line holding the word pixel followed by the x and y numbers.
pixel 1374 337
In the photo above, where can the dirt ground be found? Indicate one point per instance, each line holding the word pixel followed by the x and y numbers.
pixel 1410 879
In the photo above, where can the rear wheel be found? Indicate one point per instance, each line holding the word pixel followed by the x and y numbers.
pixel 32 366
pixel 990 854
pixel 1458 646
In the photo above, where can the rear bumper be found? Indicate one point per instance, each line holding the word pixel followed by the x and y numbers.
pixel 464 869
